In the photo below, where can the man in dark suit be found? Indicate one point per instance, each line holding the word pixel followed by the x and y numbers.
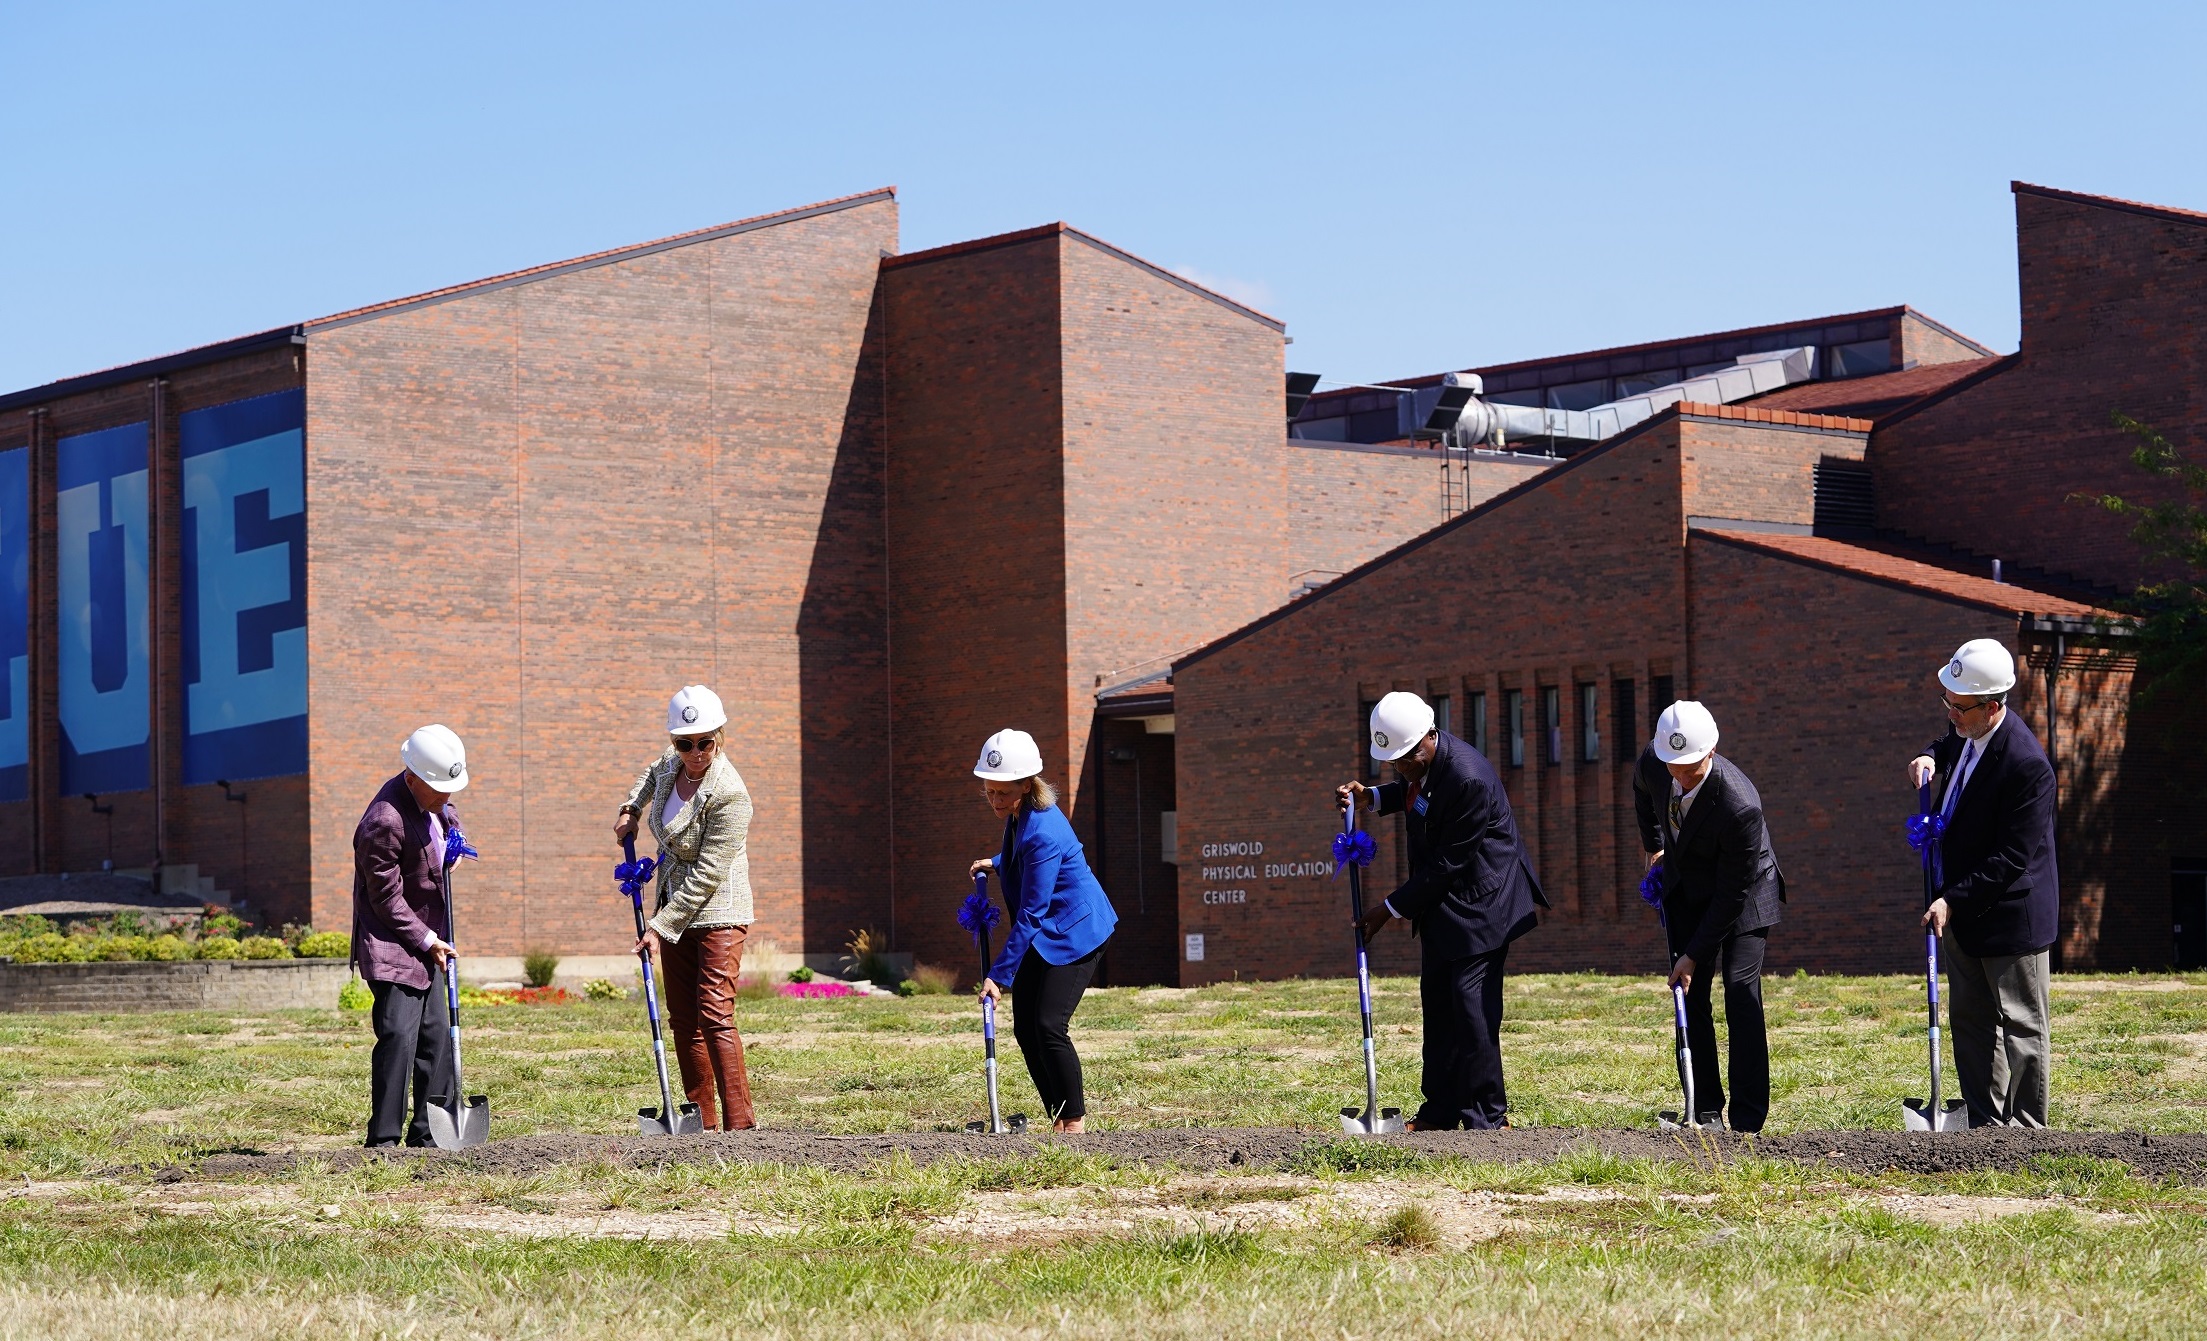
pixel 1702 818
pixel 1470 893
pixel 1999 901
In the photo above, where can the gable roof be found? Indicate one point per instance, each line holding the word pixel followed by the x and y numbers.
pixel 1049 230
pixel 594 259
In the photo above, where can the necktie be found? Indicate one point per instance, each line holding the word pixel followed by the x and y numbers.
pixel 1961 775
pixel 1678 815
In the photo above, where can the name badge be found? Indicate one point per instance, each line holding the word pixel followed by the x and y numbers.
pixel 1419 804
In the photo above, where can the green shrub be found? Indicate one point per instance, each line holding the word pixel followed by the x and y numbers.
pixel 121 949
pixel 538 966
pixel 220 947
pixel 602 989
pixel 263 947
pixel 354 995
pixel 325 945
pixel 28 924
pixel 800 974
pixel 220 922
pixel 168 948
pixel 53 948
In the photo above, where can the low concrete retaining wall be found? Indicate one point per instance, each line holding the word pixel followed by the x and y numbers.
pixel 204 984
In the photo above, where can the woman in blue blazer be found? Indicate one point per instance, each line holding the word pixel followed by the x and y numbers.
pixel 1060 919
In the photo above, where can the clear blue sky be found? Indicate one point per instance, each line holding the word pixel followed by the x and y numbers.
pixel 1412 187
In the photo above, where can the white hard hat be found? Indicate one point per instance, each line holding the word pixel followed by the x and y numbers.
pixel 436 756
pixel 1684 734
pixel 1399 722
pixel 1979 666
pixel 1008 756
pixel 695 711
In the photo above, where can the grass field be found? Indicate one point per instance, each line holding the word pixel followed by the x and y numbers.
pixel 1352 1240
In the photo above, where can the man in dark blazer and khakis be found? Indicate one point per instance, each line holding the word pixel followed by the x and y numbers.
pixel 1703 820
pixel 1470 893
pixel 1998 903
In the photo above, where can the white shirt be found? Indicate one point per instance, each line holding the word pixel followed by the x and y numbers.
pixel 674 807
pixel 1975 749
pixel 1685 799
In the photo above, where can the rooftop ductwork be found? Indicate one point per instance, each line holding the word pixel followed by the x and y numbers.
pixel 1484 423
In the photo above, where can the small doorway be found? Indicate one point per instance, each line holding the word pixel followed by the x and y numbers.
pixel 2188 913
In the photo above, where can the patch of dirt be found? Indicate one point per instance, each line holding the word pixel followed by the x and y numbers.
pixel 1202 1150
pixel 1946 1211
pixel 1217 1205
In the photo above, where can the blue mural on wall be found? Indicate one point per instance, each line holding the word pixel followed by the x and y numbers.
pixel 244 575
pixel 15 624
pixel 100 544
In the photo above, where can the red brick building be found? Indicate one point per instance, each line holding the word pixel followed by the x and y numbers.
pixel 888 503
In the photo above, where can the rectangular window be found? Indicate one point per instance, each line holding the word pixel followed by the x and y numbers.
pixel 1659 695
pixel 1551 721
pixel 1624 723
pixel 1514 702
pixel 1479 724
pixel 1441 716
pixel 1367 768
pixel 1590 728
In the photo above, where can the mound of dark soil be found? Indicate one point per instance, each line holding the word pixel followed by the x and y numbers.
pixel 2182 1157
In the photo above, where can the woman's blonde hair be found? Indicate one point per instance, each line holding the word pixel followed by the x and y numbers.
pixel 1040 795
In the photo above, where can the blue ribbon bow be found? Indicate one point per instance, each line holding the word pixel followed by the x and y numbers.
pixel 456 846
pixel 634 875
pixel 1924 830
pixel 1651 891
pixel 1354 848
pixel 978 916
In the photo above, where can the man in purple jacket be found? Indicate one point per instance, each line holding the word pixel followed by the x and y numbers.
pixel 399 924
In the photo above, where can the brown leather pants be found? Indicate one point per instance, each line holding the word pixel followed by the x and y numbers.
pixel 701 1007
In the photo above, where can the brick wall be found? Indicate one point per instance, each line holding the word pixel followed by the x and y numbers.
pixel 1347 503
pixel 976 553
pixel 1921 340
pixel 541 508
pixel 2111 298
pixel 245 984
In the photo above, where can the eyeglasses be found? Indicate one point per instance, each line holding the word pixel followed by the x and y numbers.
pixel 703 744
pixel 1963 709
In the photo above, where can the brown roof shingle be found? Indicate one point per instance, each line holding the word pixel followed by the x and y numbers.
pixel 1877 395
pixel 1910 574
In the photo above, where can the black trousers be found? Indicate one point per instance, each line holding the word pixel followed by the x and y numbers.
pixel 1742 957
pixel 413 1036
pixel 1043 997
pixel 1462 1081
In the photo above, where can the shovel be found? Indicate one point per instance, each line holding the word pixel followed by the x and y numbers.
pixel 1686 1119
pixel 668 1119
pixel 977 915
pixel 1918 1114
pixel 1374 1120
pixel 454 1125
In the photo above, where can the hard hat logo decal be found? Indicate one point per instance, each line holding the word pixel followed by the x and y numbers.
pixel 1678 740
pixel 1379 738
pixel 689 714
pixel 458 769
pixel 996 759
pixel 1956 668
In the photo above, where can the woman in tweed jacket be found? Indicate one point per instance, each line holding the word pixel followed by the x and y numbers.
pixel 696 807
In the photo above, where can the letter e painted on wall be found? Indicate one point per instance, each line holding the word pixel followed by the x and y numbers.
pixel 244 580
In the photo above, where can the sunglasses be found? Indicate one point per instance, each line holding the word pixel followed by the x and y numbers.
pixel 702 744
